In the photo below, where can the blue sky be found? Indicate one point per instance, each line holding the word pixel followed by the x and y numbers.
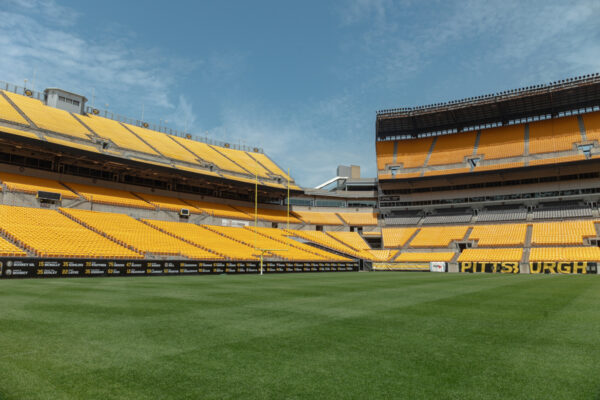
pixel 303 79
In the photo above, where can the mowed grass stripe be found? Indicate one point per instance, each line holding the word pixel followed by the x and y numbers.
pixel 337 335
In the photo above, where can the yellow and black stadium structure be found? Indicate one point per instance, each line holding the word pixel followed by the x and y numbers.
pixel 501 183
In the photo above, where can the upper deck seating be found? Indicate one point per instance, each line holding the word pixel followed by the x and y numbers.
pixel 210 155
pixel 47 233
pixel 439 236
pixel 564 233
pixel 319 218
pixel 452 149
pixel 385 154
pixel 359 218
pixel 271 166
pixel 117 133
pixel 8 112
pixel 137 235
pixel 556 134
pixel 32 185
pixel 499 235
pixel 591 122
pixel 102 195
pixel 207 239
pixel 50 118
pixel 246 161
pixel 502 142
pixel 396 237
pixel 164 144
pixel 412 153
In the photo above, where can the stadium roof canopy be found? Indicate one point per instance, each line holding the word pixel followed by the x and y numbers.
pixel 502 108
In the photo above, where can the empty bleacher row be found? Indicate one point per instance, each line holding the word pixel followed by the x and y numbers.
pixel 541 142
pixel 98 134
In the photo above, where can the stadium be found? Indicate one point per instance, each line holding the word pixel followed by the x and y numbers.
pixel 499 184
pixel 284 239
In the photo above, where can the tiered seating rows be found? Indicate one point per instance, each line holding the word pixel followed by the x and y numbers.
pixel 547 136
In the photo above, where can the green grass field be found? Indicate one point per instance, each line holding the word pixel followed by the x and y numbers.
pixel 308 336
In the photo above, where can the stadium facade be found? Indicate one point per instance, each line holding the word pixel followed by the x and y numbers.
pixel 500 183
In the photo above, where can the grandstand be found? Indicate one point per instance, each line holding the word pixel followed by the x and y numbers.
pixel 466 185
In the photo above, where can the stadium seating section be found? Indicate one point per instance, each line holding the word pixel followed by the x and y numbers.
pixel 396 237
pixel 440 236
pixel 563 233
pixel 548 142
pixel 499 235
pixel 359 218
pixel 77 233
pixel 126 137
pixel 452 149
pixel 97 194
pixel 32 185
pixel 135 234
pixel 490 255
pixel 207 239
pixel 267 214
pixel 319 218
pixel 47 233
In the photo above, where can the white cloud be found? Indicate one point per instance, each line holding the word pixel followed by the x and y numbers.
pixel 35 41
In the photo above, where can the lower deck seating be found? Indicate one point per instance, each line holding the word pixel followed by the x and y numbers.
pixel 207 239
pixel 425 257
pixel 351 239
pixel 267 214
pixel 281 236
pixel 562 233
pixel 396 237
pixel 565 254
pixel 139 236
pixel 7 249
pixel 439 236
pixel 325 240
pixel 491 255
pixel 499 235
pixel 47 233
